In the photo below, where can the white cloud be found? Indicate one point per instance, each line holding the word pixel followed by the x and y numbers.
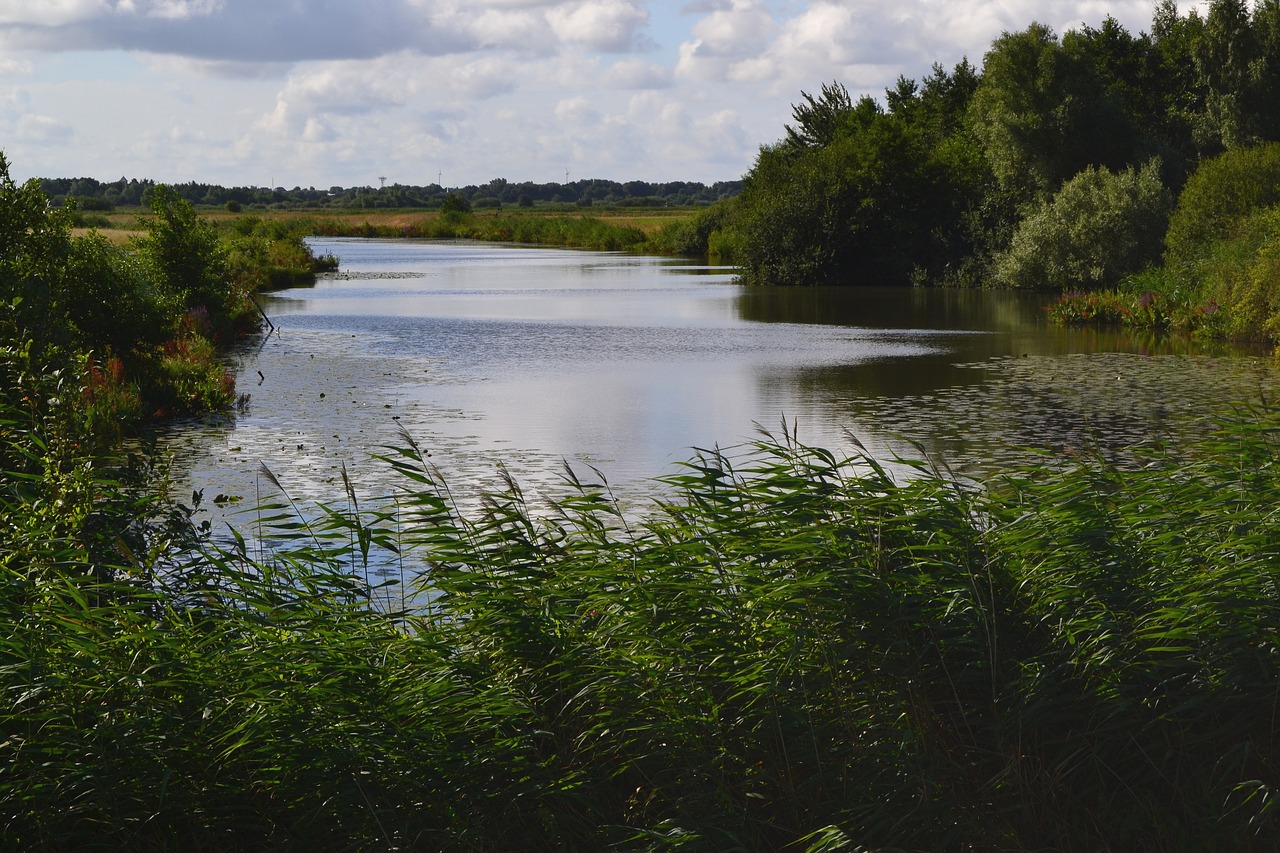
pixel 485 78
pixel 741 29
pixel 16 67
pixel 606 25
pixel 521 30
pixel 577 111
pixel 44 130
pixel 51 13
pixel 23 125
pixel 636 73
pixel 179 10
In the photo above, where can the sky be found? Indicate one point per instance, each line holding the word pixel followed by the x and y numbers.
pixel 320 93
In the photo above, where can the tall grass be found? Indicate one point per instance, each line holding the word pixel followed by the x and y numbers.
pixel 792 650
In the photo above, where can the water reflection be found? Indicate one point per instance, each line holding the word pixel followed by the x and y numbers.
pixel 529 356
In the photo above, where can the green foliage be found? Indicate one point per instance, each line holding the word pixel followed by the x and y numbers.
pixel 116 306
pixel 1041 114
pixel 985 153
pixel 34 244
pixel 793 649
pixel 454 203
pixel 185 257
pixel 820 120
pixel 1098 228
pixel 879 205
pixel 694 237
pixel 1220 192
pixel 1241 273
pixel 133 331
pixel 583 232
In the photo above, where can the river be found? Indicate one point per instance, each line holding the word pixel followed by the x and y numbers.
pixel 532 357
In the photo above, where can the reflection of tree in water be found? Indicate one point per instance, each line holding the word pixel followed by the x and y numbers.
pixel 1066 406
pixel 895 307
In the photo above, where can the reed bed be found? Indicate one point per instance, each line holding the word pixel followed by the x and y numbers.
pixel 791 650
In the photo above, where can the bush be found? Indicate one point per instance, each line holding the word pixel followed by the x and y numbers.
pixel 692 236
pixel 93 202
pixel 454 203
pixel 1220 192
pixel 184 254
pixel 1241 273
pixel 1100 227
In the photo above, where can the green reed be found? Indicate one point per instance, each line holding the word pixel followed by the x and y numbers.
pixel 789 650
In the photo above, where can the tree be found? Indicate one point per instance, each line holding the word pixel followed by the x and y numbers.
pixel 881 203
pixel 1225 55
pixel 35 241
pixel 1041 115
pixel 184 256
pixel 455 204
pixel 819 120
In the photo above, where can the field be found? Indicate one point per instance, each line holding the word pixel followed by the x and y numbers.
pixel 122 224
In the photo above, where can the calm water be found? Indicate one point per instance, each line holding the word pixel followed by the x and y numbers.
pixel 532 357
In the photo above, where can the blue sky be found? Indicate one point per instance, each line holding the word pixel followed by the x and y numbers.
pixel 338 92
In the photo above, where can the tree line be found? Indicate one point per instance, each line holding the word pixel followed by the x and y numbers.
pixel 92 194
pixel 1058 164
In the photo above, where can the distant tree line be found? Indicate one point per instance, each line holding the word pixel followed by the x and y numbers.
pixel 91 194
pixel 1058 164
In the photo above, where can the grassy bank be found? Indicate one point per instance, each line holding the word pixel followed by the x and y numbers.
pixel 792 652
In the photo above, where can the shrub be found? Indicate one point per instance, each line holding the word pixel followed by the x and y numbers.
pixel 184 254
pixel 1100 227
pixel 454 203
pixel 1241 272
pixel 1220 192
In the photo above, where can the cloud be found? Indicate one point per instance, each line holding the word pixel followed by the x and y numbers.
pixel 16 67
pixel 23 125
pixel 635 73
pixel 485 78
pixel 731 33
pixel 44 130
pixel 51 13
pixel 577 111
pixel 863 43
pixel 236 30
pixel 285 31
pixel 612 26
